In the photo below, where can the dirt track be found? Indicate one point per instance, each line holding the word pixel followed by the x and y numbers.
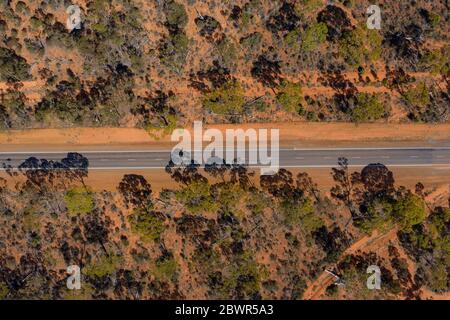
pixel 317 288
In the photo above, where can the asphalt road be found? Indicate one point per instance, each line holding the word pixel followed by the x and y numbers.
pixel 289 158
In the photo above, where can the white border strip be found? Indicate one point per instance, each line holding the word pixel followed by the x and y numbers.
pixel 167 150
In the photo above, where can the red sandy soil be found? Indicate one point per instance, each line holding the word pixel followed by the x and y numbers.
pixel 297 134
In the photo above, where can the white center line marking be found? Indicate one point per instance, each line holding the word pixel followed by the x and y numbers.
pixel 131 159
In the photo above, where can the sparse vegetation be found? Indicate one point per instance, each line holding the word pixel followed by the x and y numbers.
pixel 223 231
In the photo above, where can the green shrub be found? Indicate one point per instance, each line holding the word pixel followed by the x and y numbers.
pixel 207 26
pixel 36 23
pixel 378 217
pixel 438 61
pixel 228 53
pixel 249 12
pixel 31 219
pixel 315 35
pixel 174 52
pixel 418 96
pixel 106 265
pixel 229 197
pixel 290 96
pixel 161 130
pixel 176 14
pixel 79 201
pixel 292 39
pixel 197 198
pixel 409 211
pixel 301 213
pixel 4 290
pixel 368 108
pixel 241 278
pixel 22 8
pixel 374 42
pixel 352 47
pixel 226 99
pixel 433 19
pixel 147 225
pixel 438 279
pixel 100 28
pixel 360 46
pixel 34 46
pixel 307 6
pixel 258 201
pixel 12 66
pixel 13 104
pixel 252 41
pixel 245 277
pixel 3 27
pixel 166 269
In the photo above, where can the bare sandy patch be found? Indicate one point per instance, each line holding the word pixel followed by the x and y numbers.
pixel 296 135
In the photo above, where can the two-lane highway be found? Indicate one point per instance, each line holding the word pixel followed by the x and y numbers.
pixel 289 158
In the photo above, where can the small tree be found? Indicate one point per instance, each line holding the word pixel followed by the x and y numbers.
pixel 226 99
pixel 368 108
pixel 301 213
pixel 176 16
pixel 136 191
pixel 315 35
pixel 104 266
pixel 347 184
pixel 409 210
pixel 360 45
pixel 146 224
pixel 438 61
pixel 418 95
pixel 267 71
pixel 174 51
pixel 228 53
pixel 197 198
pixel 12 66
pixel 290 96
pixel 79 201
